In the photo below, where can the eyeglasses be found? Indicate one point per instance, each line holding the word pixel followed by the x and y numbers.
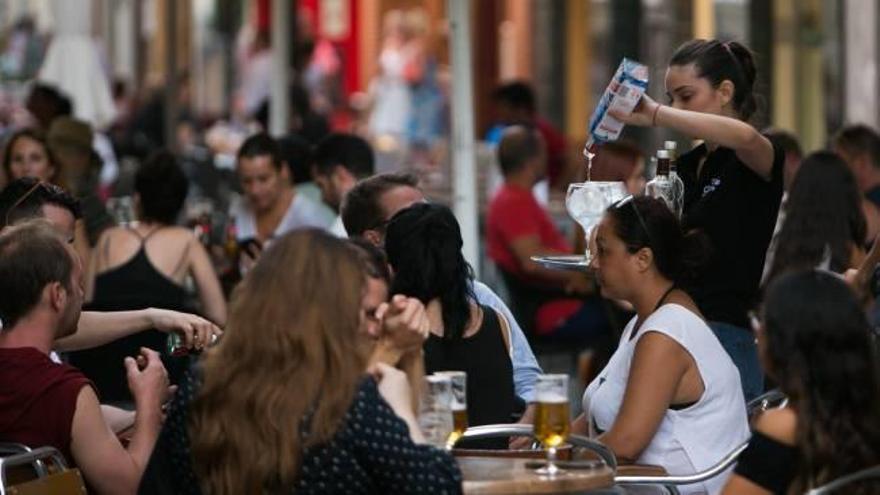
pixel 21 200
pixel 629 200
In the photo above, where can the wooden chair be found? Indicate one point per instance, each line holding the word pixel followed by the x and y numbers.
pixel 52 479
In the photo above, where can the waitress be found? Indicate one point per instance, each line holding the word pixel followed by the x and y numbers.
pixel 733 184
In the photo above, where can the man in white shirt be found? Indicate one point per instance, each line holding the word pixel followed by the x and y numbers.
pixel 271 206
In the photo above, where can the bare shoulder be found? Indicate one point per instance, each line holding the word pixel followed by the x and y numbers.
pixel 178 232
pixel 778 424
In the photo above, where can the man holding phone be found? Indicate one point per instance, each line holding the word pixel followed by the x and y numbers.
pixel 270 206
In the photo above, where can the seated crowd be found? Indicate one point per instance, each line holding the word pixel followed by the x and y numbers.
pixel 351 286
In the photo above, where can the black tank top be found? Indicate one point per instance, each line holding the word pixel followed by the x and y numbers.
pixel 485 358
pixel 136 284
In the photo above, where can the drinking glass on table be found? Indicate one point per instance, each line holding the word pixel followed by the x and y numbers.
pixel 552 421
pixel 435 410
pixel 458 380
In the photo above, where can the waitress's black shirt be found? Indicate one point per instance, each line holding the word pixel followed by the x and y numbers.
pixel 736 209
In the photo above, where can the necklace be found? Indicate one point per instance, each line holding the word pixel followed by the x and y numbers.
pixel 638 325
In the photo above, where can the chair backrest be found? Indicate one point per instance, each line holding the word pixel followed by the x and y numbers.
pixel 871 473
pixel 67 482
pixel 772 399
pixel 518 429
pixel 675 480
pixel 56 479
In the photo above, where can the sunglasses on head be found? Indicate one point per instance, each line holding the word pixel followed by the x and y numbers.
pixel 18 202
pixel 629 200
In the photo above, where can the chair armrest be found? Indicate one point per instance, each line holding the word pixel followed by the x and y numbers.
pixel 517 429
pixel 641 470
pixel 686 479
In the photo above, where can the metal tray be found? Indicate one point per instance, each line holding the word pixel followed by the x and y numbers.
pixel 575 262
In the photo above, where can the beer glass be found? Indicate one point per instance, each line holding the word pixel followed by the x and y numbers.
pixel 458 380
pixel 435 410
pixel 552 421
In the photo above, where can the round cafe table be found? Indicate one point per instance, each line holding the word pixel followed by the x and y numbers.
pixel 497 475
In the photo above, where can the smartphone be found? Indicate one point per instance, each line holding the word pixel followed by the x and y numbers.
pixel 246 244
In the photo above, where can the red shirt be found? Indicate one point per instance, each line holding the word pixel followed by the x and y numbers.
pixel 556 149
pixel 514 213
pixel 38 399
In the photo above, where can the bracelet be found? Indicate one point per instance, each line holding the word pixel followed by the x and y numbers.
pixel 654 116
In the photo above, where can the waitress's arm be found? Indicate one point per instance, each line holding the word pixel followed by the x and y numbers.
pixel 751 147
pixel 658 365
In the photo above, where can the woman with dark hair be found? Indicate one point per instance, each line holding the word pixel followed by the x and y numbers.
pixel 423 243
pixel 145 264
pixel 670 395
pixel 283 405
pixel 815 342
pixel 27 155
pixel 733 184
pixel 824 222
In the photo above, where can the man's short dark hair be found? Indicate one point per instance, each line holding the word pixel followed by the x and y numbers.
pixel 373 259
pixel 518 145
pixel 32 255
pixel 162 187
pixel 261 144
pixel 517 94
pixel 23 199
pixel 785 141
pixel 347 150
pixel 296 152
pixel 361 210
pixel 860 140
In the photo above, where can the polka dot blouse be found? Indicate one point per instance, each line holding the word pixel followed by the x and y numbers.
pixel 371 453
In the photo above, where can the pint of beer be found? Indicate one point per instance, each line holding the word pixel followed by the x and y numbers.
pixel 552 421
pixel 459 404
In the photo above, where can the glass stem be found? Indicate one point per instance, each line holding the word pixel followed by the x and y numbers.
pixel 551 461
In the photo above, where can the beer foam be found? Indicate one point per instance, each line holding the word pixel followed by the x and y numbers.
pixel 550 397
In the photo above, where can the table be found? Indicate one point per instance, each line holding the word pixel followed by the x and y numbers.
pixel 494 475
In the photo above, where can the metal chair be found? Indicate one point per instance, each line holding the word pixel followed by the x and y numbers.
pixel 772 399
pixel 55 480
pixel 871 473
pixel 671 482
pixel 516 429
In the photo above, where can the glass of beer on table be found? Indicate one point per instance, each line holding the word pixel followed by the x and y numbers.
pixel 459 404
pixel 552 421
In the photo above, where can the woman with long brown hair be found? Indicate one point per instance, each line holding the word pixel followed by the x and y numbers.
pixel 283 403
pixel 816 344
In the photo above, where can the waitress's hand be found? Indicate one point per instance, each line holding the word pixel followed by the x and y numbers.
pixel 642 115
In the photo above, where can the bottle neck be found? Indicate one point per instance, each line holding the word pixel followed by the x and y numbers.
pixel 663 165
